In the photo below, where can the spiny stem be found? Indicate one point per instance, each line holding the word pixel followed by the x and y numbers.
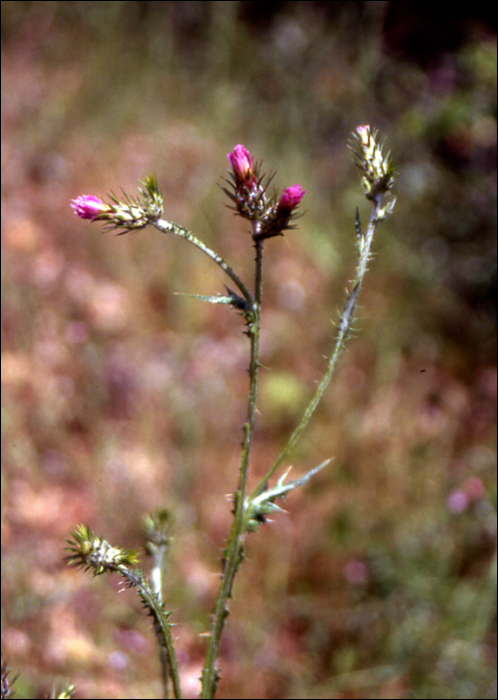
pixel 170 227
pixel 344 329
pixel 161 624
pixel 234 551
pixel 157 528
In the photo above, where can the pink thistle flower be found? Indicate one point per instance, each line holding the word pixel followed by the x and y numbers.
pixel 248 192
pixel 290 198
pixel 88 207
pixel 241 162
pixel 279 216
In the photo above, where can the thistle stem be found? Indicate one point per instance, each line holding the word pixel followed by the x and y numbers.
pixel 234 551
pixel 161 625
pixel 170 227
pixel 344 329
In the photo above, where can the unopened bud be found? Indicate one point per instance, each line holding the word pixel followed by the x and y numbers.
pixel 242 163
pixel 290 198
pixel 279 216
pixel 88 207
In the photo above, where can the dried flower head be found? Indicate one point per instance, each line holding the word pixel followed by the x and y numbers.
pixel 376 169
pixel 93 553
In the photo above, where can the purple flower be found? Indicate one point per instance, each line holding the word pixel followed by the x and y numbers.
pixel 88 207
pixel 241 162
pixel 290 198
pixel 457 501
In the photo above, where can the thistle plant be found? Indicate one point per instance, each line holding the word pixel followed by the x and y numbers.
pixel 269 214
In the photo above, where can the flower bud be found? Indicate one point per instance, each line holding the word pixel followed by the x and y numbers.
pixel 279 216
pixel 290 198
pixel 88 207
pixel 247 191
pixel 242 163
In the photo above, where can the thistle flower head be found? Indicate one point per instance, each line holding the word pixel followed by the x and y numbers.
pixel 279 215
pixel 93 553
pixel 376 169
pixel 247 192
pixel 270 215
pixel 86 206
pixel 127 213
pixel 242 163
pixel 291 198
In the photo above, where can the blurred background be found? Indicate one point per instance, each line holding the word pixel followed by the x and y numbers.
pixel 120 397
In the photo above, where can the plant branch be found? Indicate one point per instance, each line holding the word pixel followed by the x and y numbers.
pixel 344 330
pixel 162 625
pixel 170 227
pixel 93 553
